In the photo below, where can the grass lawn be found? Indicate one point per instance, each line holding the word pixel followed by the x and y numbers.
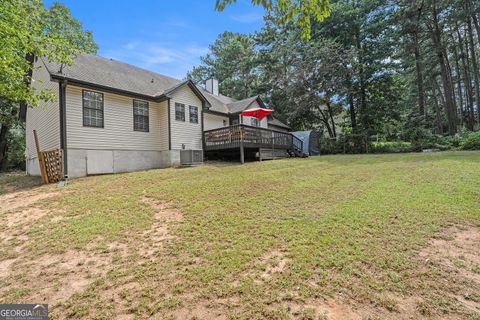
pixel 334 237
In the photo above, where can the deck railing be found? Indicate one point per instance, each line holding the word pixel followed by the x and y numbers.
pixel 249 137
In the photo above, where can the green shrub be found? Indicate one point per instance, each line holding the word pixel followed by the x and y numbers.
pixel 15 157
pixel 348 143
pixel 330 146
pixel 471 142
pixel 435 141
pixel 453 141
pixel 390 147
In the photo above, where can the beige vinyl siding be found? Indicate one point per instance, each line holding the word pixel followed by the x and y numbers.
pixel 213 121
pixel 248 120
pixel 184 132
pixel 117 133
pixel 45 118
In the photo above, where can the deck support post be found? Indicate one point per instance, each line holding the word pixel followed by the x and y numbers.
pixel 273 145
pixel 242 152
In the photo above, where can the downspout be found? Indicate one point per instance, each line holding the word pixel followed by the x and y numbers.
pixel 202 126
pixel 169 127
pixel 62 85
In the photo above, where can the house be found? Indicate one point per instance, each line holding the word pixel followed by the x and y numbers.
pixel 108 117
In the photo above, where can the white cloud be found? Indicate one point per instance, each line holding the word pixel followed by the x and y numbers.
pixel 196 50
pixel 159 55
pixel 247 17
pixel 170 59
pixel 177 22
pixel 131 45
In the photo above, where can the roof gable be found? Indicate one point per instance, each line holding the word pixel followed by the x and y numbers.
pixel 113 74
pixel 110 75
pixel 277 123
pixel 241 105
pixel 192 87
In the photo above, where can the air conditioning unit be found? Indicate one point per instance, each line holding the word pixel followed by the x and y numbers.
pixel 189 157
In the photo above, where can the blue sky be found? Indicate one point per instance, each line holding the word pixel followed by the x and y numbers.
pixel 164 36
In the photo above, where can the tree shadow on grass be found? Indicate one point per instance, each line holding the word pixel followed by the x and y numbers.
pixel 418 157
pixel 15 181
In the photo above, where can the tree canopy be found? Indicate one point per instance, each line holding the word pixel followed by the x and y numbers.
pixel 28 30
pixel 393 69
pixel 233 60
pixel 300 12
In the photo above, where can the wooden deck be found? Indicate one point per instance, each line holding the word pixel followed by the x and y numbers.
pixel 247 137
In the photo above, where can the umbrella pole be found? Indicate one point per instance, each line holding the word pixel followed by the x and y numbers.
pixel 242 154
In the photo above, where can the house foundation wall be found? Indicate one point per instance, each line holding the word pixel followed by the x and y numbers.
pixel 33 168
pixel 83 162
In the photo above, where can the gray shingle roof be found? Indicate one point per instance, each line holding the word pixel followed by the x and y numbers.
pixel 239 106
pixel 217 103
pixel 114 74
pixel 96 70
pixel 277 123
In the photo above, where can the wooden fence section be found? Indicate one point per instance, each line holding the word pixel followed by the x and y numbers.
pixel 50 162
pixel 53 165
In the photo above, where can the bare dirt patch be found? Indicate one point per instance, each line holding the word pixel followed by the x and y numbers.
pixel 457 249
pixel 337 309
pixel 160 233
pixel 456 253
pixel 25 216
pixel 325 309
pixel 271 263
pixel 200 310
pixel 165 211
pixel 5 266
pixel 20 199
pixel 54 278
pixel 274 262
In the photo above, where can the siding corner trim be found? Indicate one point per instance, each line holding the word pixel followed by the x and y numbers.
pixel 169 126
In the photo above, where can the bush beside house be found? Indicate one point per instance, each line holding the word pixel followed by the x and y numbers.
pixel 471 142
pixel 356 144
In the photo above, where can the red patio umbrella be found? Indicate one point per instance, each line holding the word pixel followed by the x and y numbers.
pixel 258 113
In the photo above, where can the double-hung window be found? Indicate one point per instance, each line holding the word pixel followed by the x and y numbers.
pixel 254 122
pixel 193 112
pixel 92 109
pixel 140 116
pixel 179 111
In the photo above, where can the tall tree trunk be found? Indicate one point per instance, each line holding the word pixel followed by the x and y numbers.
pixel 440 94
pixel 459 79
pixel 418 60
pixel 361 75
pixel 353 117
pixel 445 72
pixel 438 116
pixel 3 145
pixel 463 45
pixel 454 95
pixel 475 67
pixel 324 119
pixel 477 25
pixel 334 130
pixel 419 72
